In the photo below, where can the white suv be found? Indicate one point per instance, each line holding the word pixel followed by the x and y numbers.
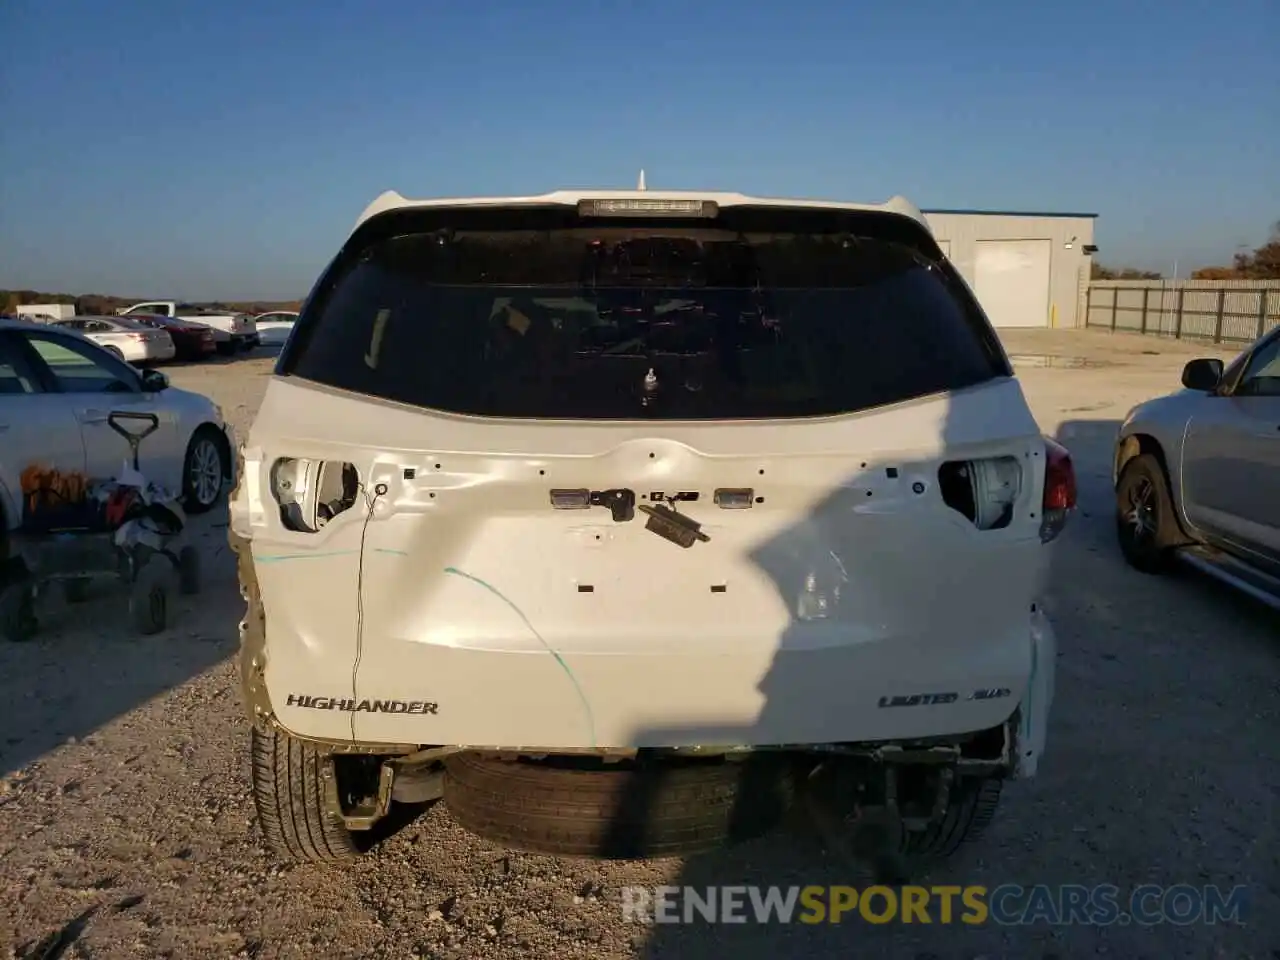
pixel 616 518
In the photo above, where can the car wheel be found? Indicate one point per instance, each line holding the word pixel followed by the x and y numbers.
pixel 291 779
pixel 896 847
pixel 1146 524
pixel 204 471
pixel 149 597
pixel 970 809
pixel 17 611
pixel 625 810
pixel 115 352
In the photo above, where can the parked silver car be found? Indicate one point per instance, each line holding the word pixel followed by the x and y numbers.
pixel 123 337
pixel 58 391
pixel 1197 473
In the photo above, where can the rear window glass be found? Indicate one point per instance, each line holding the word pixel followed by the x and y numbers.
pixel 636 324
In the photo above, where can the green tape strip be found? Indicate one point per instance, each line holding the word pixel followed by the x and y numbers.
pixel 582 697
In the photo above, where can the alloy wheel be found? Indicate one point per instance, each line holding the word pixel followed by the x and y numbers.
pixel 206 471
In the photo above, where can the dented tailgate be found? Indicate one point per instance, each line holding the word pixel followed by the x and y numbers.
pixel 848 579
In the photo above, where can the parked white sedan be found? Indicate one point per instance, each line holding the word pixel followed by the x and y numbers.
pixel 274 327
pixel 126 339
pixel 58 395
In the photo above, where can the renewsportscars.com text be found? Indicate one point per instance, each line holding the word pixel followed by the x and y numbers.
pixel 1008 904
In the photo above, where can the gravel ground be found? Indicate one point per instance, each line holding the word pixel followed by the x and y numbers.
pixel 127 830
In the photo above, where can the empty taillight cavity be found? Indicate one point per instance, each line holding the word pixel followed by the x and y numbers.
pixel 1060 477
pixel 310 493
pixel 1059 489
pixel 984 491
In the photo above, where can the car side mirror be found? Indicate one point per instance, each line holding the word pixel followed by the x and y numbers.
pixel 153 381
pixel 1204 374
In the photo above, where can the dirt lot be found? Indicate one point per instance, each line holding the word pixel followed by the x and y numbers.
pixel 126 822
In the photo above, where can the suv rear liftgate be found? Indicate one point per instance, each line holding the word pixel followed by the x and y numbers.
pixel 558 480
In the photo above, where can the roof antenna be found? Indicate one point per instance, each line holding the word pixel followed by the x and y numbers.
pixel 640 186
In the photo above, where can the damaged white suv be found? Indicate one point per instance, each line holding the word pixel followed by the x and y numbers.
pixel 625 520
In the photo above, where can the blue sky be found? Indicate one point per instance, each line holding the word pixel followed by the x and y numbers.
pixel 223 150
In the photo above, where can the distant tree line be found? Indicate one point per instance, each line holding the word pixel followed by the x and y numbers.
pixel 1099 272
pixel 97 304
pixel 1261 264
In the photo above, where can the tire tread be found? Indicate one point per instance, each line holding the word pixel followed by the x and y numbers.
pixel 972 808
pixel 189 502
pixel 584 813
pixel 289 795
pixel 1168 534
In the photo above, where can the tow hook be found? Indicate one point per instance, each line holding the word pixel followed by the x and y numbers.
pixel 863 834
pixel 941 797
pixel 364 816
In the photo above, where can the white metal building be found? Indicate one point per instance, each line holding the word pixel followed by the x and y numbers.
pixel 46 311
pixel 1027 269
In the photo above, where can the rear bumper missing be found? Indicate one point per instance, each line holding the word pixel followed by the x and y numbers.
pixel 1037 703
pixel 880 691
pixel 1011 743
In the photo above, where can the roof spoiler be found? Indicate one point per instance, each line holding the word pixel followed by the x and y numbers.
pixel 392 200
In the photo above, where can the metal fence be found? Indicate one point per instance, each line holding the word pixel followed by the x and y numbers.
pixel 1223 311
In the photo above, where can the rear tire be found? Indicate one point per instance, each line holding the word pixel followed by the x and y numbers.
pixel 1146 521
pixel 17 611
pixel 115 352
pixel 871 836
pixel 971 809
pixel 290 779
pixel 616 812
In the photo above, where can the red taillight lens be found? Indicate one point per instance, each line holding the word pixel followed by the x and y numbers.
pixel 137 336
pixel 1059 489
